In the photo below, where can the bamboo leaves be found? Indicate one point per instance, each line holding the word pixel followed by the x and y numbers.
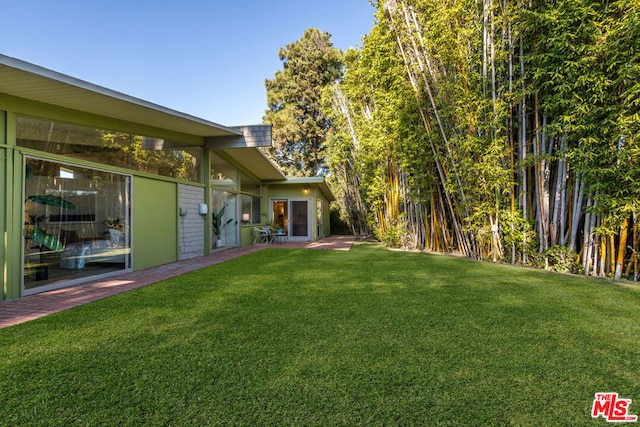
pixel 502 130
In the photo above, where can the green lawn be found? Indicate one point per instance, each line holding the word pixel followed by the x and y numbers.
pixel 302 337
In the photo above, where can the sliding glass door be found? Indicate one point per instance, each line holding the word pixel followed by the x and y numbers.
pixel 224 216
pixel 294 216
pixel 77 224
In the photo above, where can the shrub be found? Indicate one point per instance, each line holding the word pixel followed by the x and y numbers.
pixel 561 259
pixel 394 234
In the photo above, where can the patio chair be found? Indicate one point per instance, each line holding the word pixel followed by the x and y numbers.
pixel 261 235
pixel 269 231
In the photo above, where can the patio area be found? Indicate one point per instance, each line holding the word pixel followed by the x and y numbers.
pixel 39 305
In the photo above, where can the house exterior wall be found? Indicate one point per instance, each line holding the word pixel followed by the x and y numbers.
pixel 246 235
pixel 158 233
pixel 191 240
pixel 246 231
pixel 8 221
pixel 11 203
pixel 289 191
pixel 155 218
pixel 156 225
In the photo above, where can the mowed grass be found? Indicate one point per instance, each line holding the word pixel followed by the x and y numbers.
pixel 301 337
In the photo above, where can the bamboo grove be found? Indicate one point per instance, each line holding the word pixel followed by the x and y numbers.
pixel 500 130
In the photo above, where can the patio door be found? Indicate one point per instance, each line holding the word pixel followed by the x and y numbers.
pixel 77 224
pixel 299 218
pixel 230 230
pixel 295 217
pixel 224 212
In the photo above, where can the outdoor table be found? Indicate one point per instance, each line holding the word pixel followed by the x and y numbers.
pixel 279 237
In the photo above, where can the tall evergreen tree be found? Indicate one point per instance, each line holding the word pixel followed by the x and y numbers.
pixel 294 97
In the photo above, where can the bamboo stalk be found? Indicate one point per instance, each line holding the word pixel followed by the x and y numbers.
pixel 588 240
pixel 558 212
pixel 577 212
pixel 622 247
pixel 598 261
pixel 611 255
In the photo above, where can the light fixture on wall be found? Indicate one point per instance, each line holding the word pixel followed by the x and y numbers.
pixel 305 190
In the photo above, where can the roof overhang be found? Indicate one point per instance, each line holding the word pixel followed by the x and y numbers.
pixel 24 80
pixel 28 81
pixel 249 136
pixel 315 181
pixel 254 160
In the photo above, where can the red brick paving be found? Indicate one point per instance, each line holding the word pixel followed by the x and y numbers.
pixel 39 305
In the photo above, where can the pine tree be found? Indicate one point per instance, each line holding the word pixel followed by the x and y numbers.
pixel 294 97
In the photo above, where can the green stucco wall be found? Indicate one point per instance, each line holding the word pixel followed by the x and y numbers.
pixel 289 191
pixel 246 235
pixel 11 172
pixel 3 221
pixel 155 219
pixel 13 224
pixel 11 206
pixel 297 191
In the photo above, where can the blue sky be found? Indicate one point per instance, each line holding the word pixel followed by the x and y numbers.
pixel 205 58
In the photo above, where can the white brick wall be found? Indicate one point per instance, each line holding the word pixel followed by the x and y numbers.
pixel 191 227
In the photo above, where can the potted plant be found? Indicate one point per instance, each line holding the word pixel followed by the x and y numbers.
pixel 276 227
pixel 218 224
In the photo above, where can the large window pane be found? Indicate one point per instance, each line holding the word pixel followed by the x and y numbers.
pixel 223 175
pixel 250 210
pixel 135 152
pixel 76 224
pixel 247 185
pixel 224 218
